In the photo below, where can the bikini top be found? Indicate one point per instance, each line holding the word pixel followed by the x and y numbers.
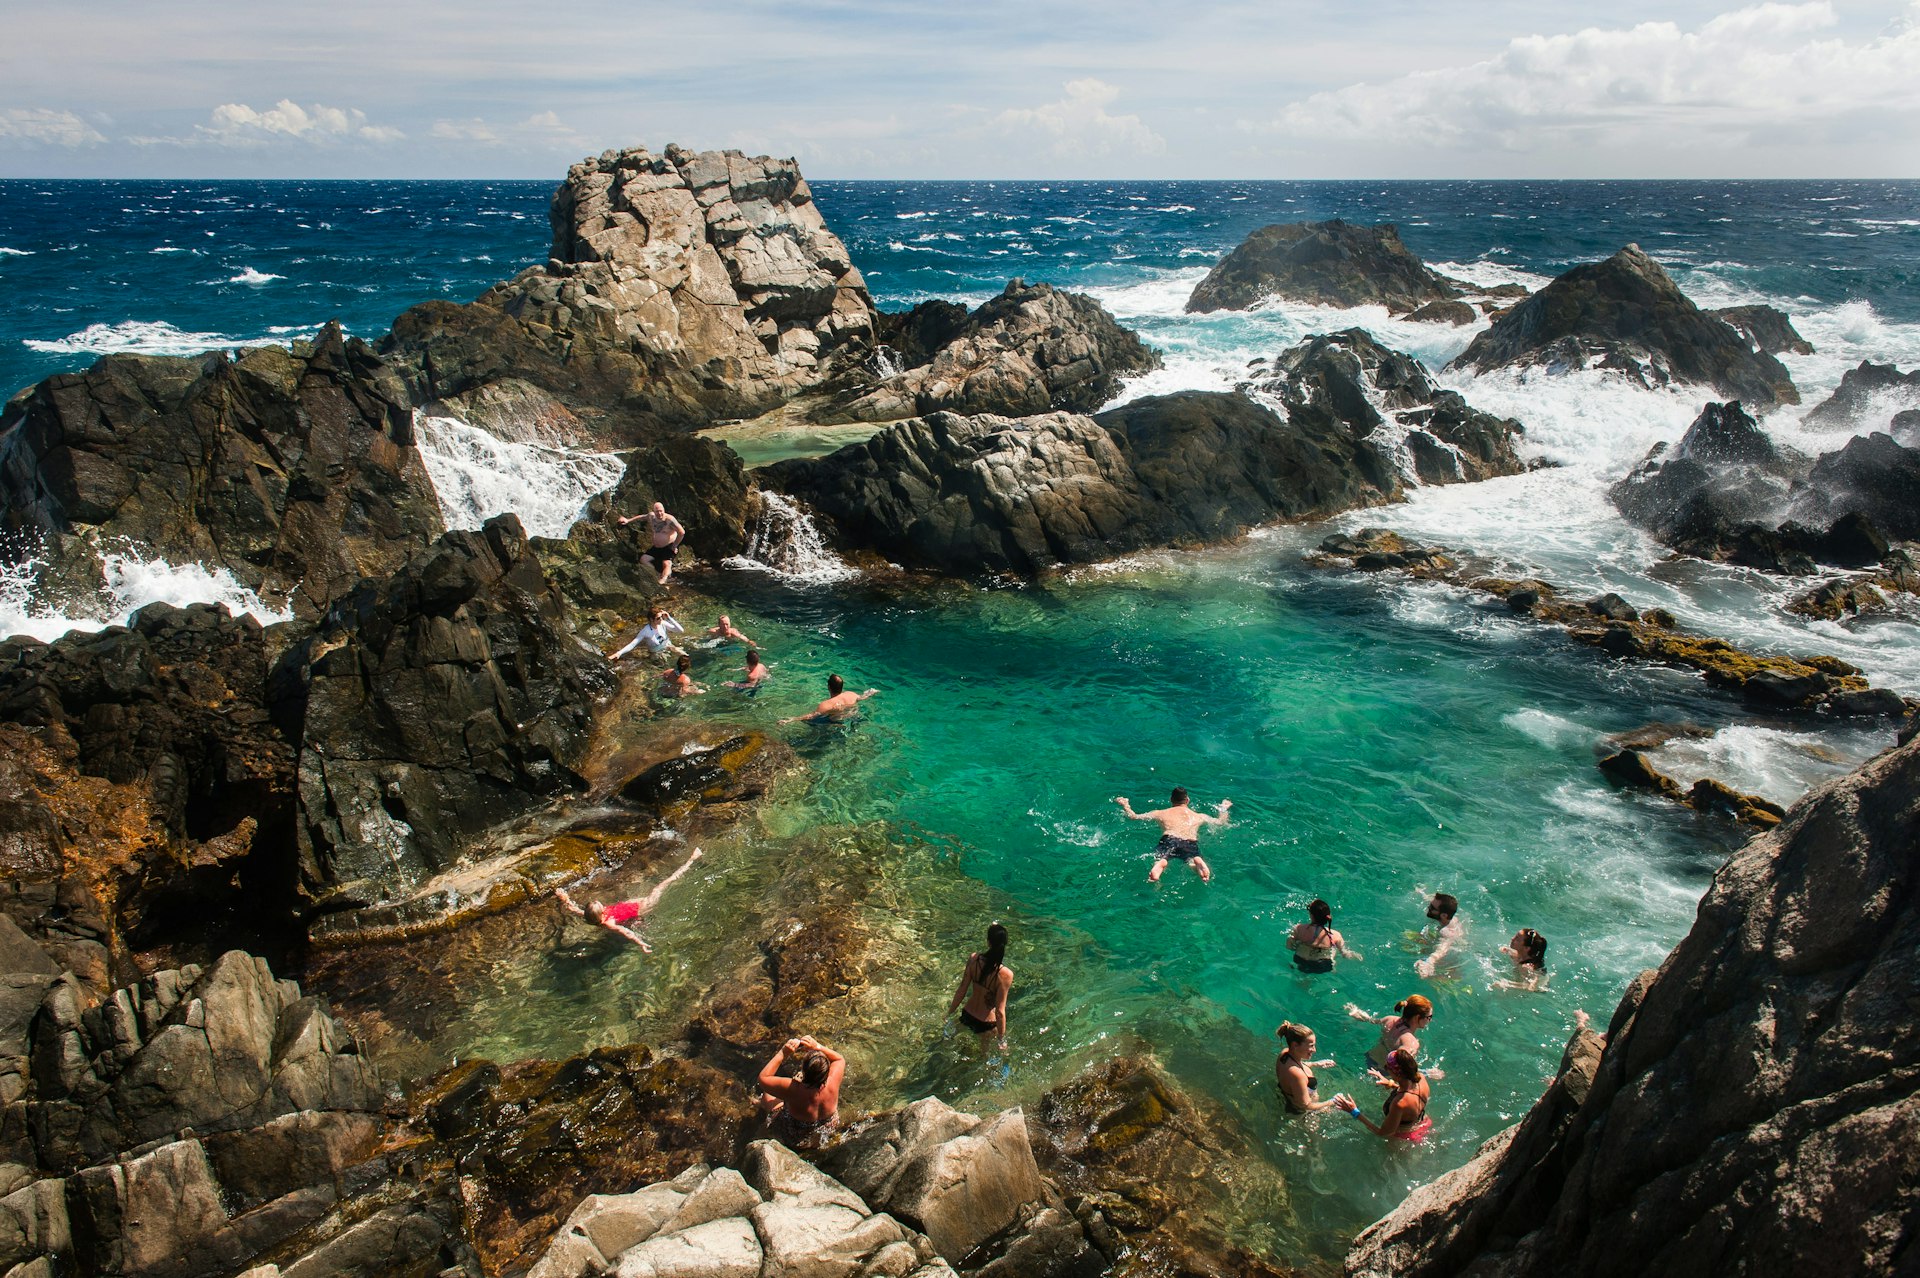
pixel 1387 1109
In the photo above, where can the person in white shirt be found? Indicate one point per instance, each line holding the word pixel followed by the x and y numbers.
pixel 656 636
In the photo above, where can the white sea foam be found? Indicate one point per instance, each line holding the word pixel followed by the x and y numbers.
pixel 14 252
pixel 133 580
pixel 786 543
pixel 1775 763
pixel 251 276
pixel 477 475
pixel 1547 728
pixel 1489 274
pixel 140 337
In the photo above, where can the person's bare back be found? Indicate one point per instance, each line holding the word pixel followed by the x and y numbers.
pixel 1179 832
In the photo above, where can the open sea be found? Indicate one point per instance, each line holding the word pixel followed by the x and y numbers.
pixel 1377 737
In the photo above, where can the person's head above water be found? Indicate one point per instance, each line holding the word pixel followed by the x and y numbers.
pixel 1402 1066
pixel 753 658
pixel 725 620
pixel 1442 908
pixel 835 685
pixel 684 664
pixel 1532 947
pixel 1179 795
pixel 656 613
pixel 813 1070
pixel 1415 1007
pixel 1296 1035
pixel 1320 912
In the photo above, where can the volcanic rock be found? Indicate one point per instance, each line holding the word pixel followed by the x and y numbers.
pixel 681 288
pixel 1869 395
pixel 294 471
pixel 1033 349
pixel 1323 264
pixel 1768 328
pixel 1626 314
pixel 1724 473
pixel 1797 978
pixel 1874 477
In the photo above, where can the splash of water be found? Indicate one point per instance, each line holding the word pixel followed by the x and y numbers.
pixel 477 475
pixel 132 581
pixel 785 542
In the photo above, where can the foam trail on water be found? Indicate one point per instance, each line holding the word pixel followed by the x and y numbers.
pixel 133 581
pixel 141 337
pixel 477 475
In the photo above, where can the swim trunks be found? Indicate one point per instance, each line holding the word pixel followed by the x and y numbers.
pixel 1172 848
pixel 1316 966
pixel 663 552
pixel 621 912
pixel 974 1023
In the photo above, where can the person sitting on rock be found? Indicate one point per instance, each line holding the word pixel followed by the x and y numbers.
pixel 1404 1117
pixel 802 1109
pixel 1179 832
pixel 983 989
pixel 1314 943
pixel 839 705
pixel 1528 950
pixel 656 636
pixel 616 917
pixel 1448 929
pixel 756 674
pixel 1294 1070
pixel 1414 1012
pixel 667 534
pixel 678 682
pixel 724 632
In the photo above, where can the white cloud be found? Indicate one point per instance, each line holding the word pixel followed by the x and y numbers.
pixel 38 124
pixel 543 127
pixel 1765 74
pixel 1078 125
pixel 237 124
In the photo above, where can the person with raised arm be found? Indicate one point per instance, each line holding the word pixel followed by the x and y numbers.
pixel 656 636
pixel 666 533
pixel 1414 1012
pixel 839 705
pixel 1448 929
pixel 803 1108
pixel 1404 1117
pixel 1179 832
pixel 618 917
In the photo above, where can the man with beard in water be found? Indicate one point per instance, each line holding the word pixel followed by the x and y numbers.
pixel 1179 832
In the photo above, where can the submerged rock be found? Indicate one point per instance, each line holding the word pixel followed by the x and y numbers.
pixel 1626 314
pixel 294 472
pixel 1755 1092
pixel 1324 264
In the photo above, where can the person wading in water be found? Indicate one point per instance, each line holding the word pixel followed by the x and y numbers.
pixel 983 989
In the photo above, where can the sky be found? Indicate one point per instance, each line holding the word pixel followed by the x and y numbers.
pixel 984 89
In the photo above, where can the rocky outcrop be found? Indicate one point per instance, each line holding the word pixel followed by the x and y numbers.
pixel 1767 328
pixel 294 471
pixel 1323 264
pixel 1630 769
pixel 1873 477
pixel 1724 472
pixel 1868 396
pixel 430 706
pixel 1032 349
pixel 1627 315
pixel 1758 1090
pixel 681 288
pixel 1346 380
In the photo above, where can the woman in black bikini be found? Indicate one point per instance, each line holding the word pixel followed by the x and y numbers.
pixel 983 988
pixel 1315 943
pixel 1294 1070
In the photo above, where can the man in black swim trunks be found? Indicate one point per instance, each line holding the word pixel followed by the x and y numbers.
pixel 666 533
pixel 1179 832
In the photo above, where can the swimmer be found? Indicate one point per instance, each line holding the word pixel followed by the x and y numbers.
pixel 678 682
pixel 1315 943
pixel 1404 1117
pixel 1414 1012
pixel 725 631
pixel 617 916
pixel 839 705
pixel 1294 1070
pixel 1179 832
pixel 802 1109
pixel 983 988
pixel 666 533
pixel 1528 950
pixel 756 674
pixel 1444 910
pixel 656 636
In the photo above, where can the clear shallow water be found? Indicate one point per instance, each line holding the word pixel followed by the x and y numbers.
pixel 1375 736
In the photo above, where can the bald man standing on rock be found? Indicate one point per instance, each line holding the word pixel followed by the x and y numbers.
pixel 667 533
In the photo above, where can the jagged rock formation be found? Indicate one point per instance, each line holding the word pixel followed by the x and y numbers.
pixel 294 471
pixel 1631 769
pixel 1626 314
pixel 1346 378
pixel 1032 349
pixel 1767 328
pixel 1869 395
pixel 1755 1092
pixel 1873 478
pixel 1324 264
pixel 1724 472
pixel 681 288
pixel 430 706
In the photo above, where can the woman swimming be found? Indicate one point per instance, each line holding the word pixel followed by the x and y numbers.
pixel 1528 950
pixel 983 988
pixel 1414 1012
pixel 1294 1070
pixel 1314 943
pixel 678 682
pixel 1404 1117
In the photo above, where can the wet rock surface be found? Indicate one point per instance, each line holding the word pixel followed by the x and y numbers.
pixel 1796 979
pixel 1868 396
pixel 1331 263
pixel 1768 328
pixel 293 471
pixel 1626 314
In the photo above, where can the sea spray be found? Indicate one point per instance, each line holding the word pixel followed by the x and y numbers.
pixel 477 475
pixel 786 542
pixel 130 581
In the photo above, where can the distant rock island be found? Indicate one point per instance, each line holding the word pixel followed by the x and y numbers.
pixel 1324 264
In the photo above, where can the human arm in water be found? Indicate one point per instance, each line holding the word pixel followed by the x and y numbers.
pixel 1126 806
pixel 1397 1119
pixel 1220 818
pixel 960 994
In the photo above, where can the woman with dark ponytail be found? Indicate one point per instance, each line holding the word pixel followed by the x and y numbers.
pixel 983 990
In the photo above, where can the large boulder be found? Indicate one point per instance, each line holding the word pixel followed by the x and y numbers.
pixel 681 287
pixel 292 470
pixel 430 706
pixel 1757 1091
pixel 1724 472
pixel 1323 264
pixel 1768 328
pixel 1868 396
pixel 1032 349
pixel 1874 477
pixel 1387 398
pixel 1626 314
